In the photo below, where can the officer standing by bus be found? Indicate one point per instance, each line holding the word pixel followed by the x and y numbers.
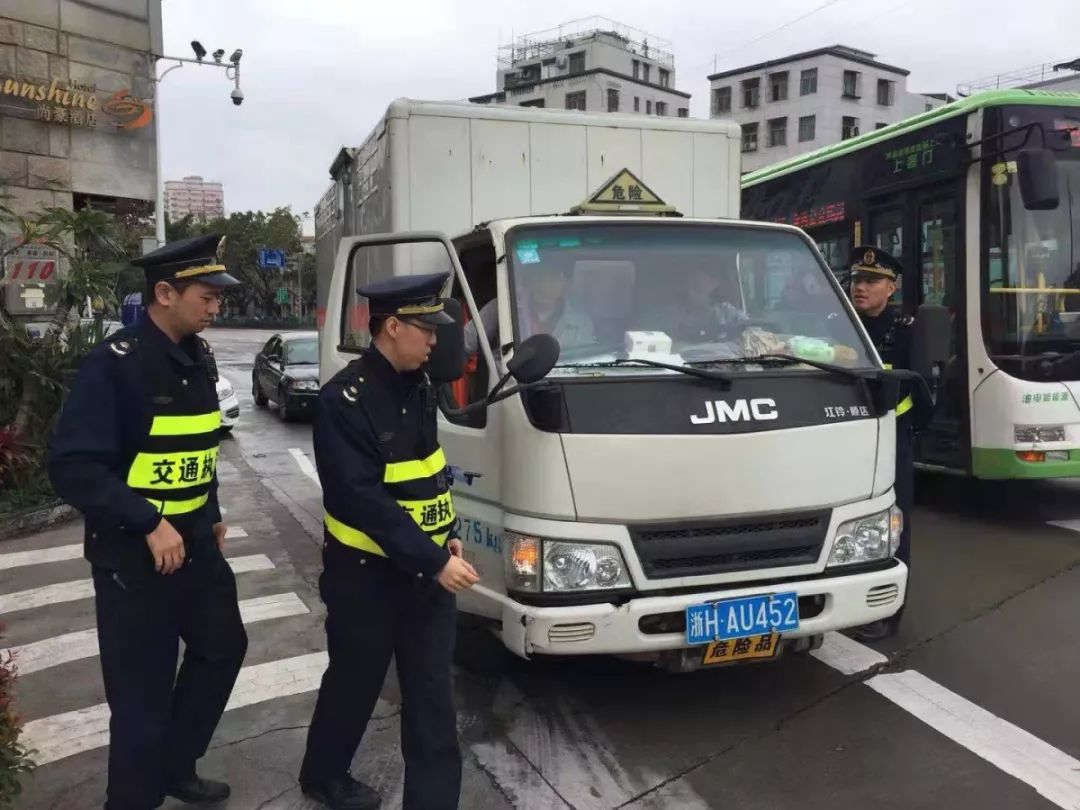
pixel 135 450
pixel 874 278
pixel 391 558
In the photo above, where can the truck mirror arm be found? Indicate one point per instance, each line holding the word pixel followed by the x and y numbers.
pixel 498 394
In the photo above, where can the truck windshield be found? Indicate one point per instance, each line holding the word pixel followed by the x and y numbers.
pixel 1031 274
pixel 677 293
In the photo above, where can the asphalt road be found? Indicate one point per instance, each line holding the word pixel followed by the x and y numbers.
pixel 973 705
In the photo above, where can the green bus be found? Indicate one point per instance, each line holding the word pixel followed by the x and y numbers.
pixel 980 202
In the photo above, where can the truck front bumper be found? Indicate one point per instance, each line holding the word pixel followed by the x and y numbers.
pixel 834 603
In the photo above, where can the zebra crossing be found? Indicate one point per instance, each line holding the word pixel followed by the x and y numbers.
pixel 44 658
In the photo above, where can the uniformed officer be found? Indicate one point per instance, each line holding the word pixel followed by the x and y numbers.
pixel 874 277
pixel 135 450
pixel 391 558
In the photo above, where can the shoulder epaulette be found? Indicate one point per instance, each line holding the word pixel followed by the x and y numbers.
pixel 211 362
pixel 906 320
pixel 351 390
pixel 122 345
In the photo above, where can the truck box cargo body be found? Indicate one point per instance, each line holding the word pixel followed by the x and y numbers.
pixel 656 492
pixel 448 167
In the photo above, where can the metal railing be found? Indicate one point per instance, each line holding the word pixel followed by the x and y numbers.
pixel 547 43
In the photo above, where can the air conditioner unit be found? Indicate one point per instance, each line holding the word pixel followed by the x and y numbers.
pixel 562 63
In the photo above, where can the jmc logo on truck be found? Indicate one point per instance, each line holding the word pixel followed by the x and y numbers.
pixel 741 410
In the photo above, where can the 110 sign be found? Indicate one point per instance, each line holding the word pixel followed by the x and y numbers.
pixel 32 270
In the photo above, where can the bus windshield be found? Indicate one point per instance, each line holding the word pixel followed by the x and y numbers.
pixel 1031 274
pixel 677 293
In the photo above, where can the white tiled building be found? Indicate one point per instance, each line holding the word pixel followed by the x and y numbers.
pixel 802 102
pixel 593 64
pixel 194 196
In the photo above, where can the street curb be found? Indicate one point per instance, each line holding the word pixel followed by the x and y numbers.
pixel 35 519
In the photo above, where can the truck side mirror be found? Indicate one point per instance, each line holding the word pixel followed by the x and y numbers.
pixel 534 358
pixel 1037 173
pixel 931 339
pixel 447 360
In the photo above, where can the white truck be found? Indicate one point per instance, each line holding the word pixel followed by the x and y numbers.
pixel 705 475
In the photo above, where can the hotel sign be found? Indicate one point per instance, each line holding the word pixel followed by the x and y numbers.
pixel 73 104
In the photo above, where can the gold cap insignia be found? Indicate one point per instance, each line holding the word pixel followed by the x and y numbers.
pixel 869 257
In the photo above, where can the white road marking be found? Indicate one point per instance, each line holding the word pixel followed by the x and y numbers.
pixel 51 652
pixel 847 655
pixel 1071 525
pixel 234 532
pixel 18 559
pixel 70 733
pixel 306 467
pixel 84 588
pixel 1053 773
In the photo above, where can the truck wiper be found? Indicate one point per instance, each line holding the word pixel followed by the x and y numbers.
pixel 784 360
pixel 691 371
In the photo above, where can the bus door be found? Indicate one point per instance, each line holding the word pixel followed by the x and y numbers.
pixel 939 279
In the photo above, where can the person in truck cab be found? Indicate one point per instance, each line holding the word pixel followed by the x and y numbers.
pixel 542 308
pixel 702 312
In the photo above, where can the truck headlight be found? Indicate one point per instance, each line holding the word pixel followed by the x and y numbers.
pixel 561 566
pixel 304 385
pixel 1030 434
pixel 867 539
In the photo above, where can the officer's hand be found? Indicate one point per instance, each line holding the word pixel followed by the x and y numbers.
pixel 457 575
pixel 219 535
pixel 456 547
pixel 167 546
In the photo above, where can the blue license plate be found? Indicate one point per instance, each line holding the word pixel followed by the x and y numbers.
pixel 741 618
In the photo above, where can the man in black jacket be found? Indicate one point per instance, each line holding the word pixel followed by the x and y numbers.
pixel 135 450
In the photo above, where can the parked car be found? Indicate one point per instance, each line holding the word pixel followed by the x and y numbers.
pixel 229 403
pixel 286 371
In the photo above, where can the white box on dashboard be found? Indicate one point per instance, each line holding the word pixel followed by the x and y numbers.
pixel 652 343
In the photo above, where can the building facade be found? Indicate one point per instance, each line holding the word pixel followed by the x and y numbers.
pixel 594 64
pixel 76 121
pixel 808 100
pixel 194 197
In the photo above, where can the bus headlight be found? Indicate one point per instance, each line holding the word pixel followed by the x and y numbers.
pixel 563 566
pixel 867 539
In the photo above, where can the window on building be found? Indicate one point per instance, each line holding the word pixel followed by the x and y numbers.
pixel 684 112
pixel 661 108
pixel 778 86
pixel 751 93
pixel 929 107
pixel 536 102
pixel 885 92
pixel 665 78
pixel 880 125
pixel 646 70
pixel 749 137
pixel 849 127
pixel 637 103
pixel 808 82
pixel 851 84
pixel 721 100
pixel 807 128
pixel 778 132
pixel 577 62
pixel 575 101
pixel 637 69
pixel 612 100
pixel 648 107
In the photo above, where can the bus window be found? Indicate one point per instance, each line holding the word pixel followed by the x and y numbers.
pixel 937 252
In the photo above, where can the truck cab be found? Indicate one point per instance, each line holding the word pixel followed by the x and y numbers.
pixel 703 476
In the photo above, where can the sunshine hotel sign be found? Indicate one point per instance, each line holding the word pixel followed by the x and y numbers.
pixel 73 104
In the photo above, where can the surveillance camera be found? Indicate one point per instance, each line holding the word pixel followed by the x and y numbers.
pixel 237 96
pixel 200 51
pixel 218 54
pixel 235 58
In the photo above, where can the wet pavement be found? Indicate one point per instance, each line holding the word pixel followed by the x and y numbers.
pixel 972 705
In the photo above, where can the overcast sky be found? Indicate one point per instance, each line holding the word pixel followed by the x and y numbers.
pixel 318 74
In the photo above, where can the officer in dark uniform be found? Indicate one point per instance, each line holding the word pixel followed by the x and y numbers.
pixel 391 558
pixel 135 450
pixel 874 277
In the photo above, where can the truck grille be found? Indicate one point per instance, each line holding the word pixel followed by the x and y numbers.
pixel 693 549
